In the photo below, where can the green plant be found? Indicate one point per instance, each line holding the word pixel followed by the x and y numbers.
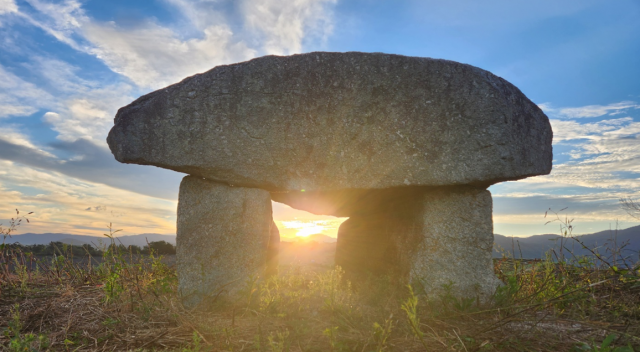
pixel 605 346
pixel 279 341
pixel 332 335
pixel 410 307
pixel 451 301
pixel 195 344
pixel 381 333
pixel 23 343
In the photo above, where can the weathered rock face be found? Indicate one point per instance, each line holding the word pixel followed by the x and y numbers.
pixel 225 234
pixel 439 237
pixel 454 244
pixel 338 121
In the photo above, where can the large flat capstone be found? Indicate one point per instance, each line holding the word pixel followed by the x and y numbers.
pixel 338 121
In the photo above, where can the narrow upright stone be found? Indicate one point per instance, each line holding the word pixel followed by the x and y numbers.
pixel 223 237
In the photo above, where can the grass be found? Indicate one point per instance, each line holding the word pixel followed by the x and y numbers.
pixel 129 302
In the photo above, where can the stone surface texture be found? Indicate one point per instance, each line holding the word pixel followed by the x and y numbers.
pixel 454 243
pixel 438 237
pixel 337 121
pixel 224 236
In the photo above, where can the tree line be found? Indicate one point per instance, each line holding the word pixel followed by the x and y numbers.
pixel 60 248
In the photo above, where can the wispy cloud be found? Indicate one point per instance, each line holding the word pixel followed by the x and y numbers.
pixel 8 6
pixel 566 130
pixel 60 204
pixel 19 97
pixel 603 165
pixel 153 55
pixel 90 162
pixel 605 155
pixel 77 108
pixel 590 110
pixel 284 25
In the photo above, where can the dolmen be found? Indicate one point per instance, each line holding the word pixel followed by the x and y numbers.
pixel 404 146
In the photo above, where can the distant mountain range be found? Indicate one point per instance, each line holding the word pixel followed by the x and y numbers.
pixel 525 247
pixel 45 238
pixel 535 246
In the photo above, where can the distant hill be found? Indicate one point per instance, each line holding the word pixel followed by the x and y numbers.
pixel 535 246
pixel 529 247
pixel 45 238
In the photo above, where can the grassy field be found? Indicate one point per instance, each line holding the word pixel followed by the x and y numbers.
pixel 129 302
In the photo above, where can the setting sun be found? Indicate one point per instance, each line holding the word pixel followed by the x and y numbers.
pixel 294 223
pixel 304 227
pixel 307 228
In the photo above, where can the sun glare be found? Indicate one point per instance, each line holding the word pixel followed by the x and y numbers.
pixel 304 228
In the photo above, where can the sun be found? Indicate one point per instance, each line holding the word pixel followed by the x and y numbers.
pixel 306 228
pixel 310 229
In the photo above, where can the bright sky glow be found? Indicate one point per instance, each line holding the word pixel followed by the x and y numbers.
pixel 66 66
pixel 306 228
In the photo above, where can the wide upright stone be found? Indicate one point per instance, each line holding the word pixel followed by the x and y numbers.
pixel 454 244
pixel 438 237
pixel 338 121
pixel 225 234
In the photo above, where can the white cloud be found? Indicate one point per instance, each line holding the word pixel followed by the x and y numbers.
pixel 88 114
pixel 8 6
pixel 154 56
pixel 67 15
pixel 60 20
pixel 606 155
pixel 200 14
pixel 565 130
pixel 590 110
pixel 12 135
pixel 604 166
pixel 60 204
pixel 19 97
pixel 285 24
pixel 81 108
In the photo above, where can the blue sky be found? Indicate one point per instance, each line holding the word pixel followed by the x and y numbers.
pixel 67 66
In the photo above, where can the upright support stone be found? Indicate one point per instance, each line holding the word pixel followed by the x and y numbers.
pixel 364 247
pixel 223 237
pixel 273 250
pixel 454 244
pixel 438 236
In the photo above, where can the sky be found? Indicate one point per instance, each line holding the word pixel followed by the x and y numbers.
pixel 67 66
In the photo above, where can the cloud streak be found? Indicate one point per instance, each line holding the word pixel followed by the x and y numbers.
pixel 590 111
pixel 19 97
pixel 60 204
pixel 92 163
pixel 152 55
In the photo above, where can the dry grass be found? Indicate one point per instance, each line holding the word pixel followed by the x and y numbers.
pixel 130 303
